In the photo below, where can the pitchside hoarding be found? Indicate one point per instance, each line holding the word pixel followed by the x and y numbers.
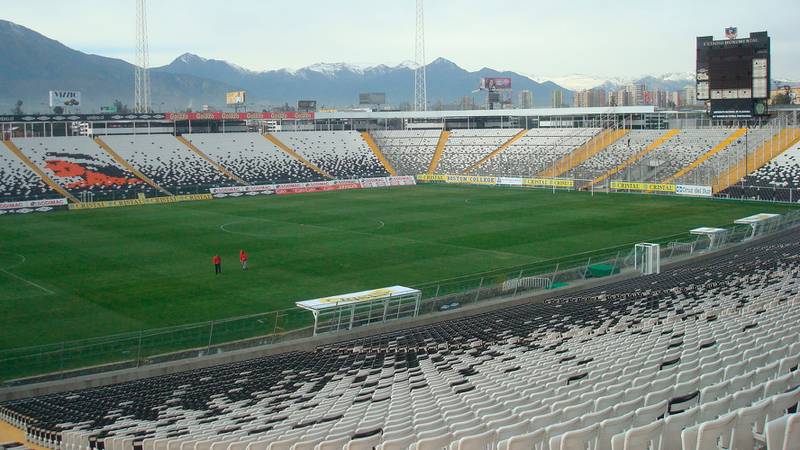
pixel 218 115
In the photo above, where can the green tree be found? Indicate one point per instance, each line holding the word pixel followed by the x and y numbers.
pixel 120 107
pixel 58 110
pixel 781 99
pixel 17 111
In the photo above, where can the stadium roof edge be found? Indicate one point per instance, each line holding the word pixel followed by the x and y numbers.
pixel 422 115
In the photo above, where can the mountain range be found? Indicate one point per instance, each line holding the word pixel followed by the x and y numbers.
pixel 32 64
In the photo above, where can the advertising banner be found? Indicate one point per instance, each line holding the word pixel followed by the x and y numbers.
pixel 235 98
pixel 372 98
pixel 495 83
pixel 65 98
pixel 367 183
pixel 471 179
pixel 635 186
pixel 218 115
pixel 29 206
pixel 434 177
pixel 509 181
pixel 141 201
pixel 406 180
pixel 550 182
pixel 693 190
pixel 494 181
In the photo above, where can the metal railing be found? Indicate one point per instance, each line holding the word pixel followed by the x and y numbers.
pixel 128 350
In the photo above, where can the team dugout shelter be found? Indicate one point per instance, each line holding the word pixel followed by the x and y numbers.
pixel 348 311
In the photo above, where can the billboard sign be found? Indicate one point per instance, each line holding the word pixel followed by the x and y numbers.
pixel 496 84
pixel 372 98
pixel 65 98
pixel 235 98
pixel 306 105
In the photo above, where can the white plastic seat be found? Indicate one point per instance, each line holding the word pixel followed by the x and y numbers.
pixel 528 441
pixel 629 406
pixel 611 427
pixel 791 438
pixel 674 426
pixel 749 420
pixel 517 429
pixel 747 397
pixel 782 402
pixel 554 432
pixel 714 391
pixel 398 443
pixel 482 441
pixel 579 439
pixel 716 433
pixel 645 437
pixel 433 443
pixel 333 444
pixel 648 414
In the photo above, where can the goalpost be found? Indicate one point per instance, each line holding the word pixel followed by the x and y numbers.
pixel 647 258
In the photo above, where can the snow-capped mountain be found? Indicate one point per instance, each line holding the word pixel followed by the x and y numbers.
pixel 340 83
pixel 669 81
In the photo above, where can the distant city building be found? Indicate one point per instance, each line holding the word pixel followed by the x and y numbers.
pixel 557 99
pixel 675 98
pixel 591 98
pixel 467 103
pixel 690 95
pixel 525 99
pixel 785 95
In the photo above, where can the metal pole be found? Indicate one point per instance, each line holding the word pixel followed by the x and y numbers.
pixel 519 280
pixel 139 349
pixel 478 292
pixel 210 335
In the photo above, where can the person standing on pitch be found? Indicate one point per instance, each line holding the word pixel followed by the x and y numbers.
pixel 217 264
pixel 243 259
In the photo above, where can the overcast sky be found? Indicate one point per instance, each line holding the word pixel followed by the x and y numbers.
pixel 621 38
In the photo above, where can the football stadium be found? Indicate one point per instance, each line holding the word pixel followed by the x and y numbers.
pixel 620 276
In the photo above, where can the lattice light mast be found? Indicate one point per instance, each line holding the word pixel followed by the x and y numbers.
pixel 141 80
pixel 420 84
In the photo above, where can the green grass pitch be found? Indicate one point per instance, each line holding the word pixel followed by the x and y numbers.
pixel 78 274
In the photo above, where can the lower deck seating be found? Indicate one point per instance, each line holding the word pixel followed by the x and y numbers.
pixel 466 147
pixel 253 158
pixel 678 152
pixel 537 151
pixel 167 162
pixel 706 349
pixel 778 180
pixel 410 152
pixel 616 154
pixel 80 166
pixel 343 154
pixel 18 181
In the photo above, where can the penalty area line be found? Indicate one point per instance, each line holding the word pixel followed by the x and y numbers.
pixel 26 281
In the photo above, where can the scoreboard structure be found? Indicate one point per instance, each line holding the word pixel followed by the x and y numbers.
pixel 733 75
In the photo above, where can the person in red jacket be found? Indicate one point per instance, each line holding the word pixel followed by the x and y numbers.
pixel 217 264
pixel 243 259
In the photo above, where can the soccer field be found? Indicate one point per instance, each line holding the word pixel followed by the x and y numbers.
pixel 79 274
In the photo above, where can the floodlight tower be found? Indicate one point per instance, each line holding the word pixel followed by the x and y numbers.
pixel 420 85
pixel 141 90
